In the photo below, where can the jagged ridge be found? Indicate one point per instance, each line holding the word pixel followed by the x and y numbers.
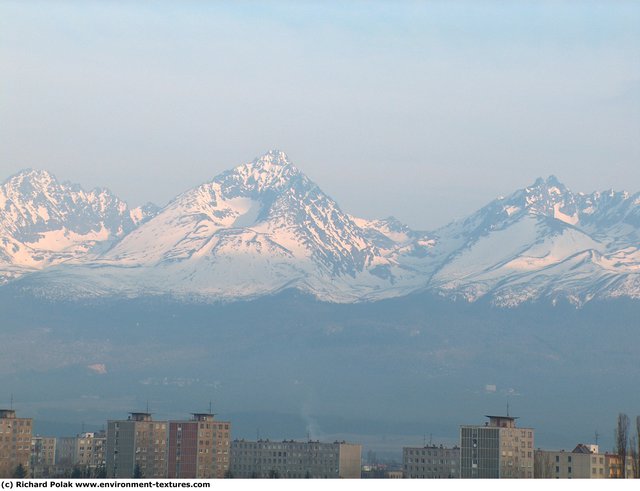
pixel 44 222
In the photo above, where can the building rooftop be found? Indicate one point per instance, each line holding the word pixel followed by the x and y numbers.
pixel 588 449
pixel 502 421
pixel 139 416
pixel 433 446
pixel 7 413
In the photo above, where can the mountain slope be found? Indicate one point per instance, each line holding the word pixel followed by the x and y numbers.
pixel 542 241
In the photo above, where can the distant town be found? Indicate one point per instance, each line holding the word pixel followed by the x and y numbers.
pixel 202 447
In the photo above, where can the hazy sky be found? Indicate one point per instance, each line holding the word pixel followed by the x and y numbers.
pixel 422 110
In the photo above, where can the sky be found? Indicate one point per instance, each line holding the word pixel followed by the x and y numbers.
pixel 421 110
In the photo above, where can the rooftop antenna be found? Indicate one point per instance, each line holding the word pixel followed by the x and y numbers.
pixel 507 408
pixel 430 439
pixel 597 436
pixel 11 404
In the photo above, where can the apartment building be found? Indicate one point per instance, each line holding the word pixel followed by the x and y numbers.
pixel 431 462
pixel 199 448
pixel 583 462
pixel 90 452
pixel 15 443
pixel 136 447
pixel 43 456
pixel 497 449
pixel 613 466
pixel 292 459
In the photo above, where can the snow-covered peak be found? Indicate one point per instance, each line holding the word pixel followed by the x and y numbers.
pixel 44 222
pixel 551 181
pixel 29 183
pixel 273 157
pixel 549 197
pixel 266 204
pixel 35 175
pixel 261 180
pixel 269 172
pixel 546 189
pixel 545 197
pixel 543 200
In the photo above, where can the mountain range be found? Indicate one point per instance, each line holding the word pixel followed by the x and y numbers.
pixel 265 227
pixel 106 307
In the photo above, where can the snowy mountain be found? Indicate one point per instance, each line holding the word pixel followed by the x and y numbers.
pixel 264 226
pixel 543 241
pixel 256 229
pixel 44 222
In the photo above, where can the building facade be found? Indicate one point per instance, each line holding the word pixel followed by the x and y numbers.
pixel 431 462
pixel 136 447
pixel 497 449
pixel 199 448
pixel 90 453
pixel 613 466
pixel 66 447
pixel 81 455
pixel 298 460
pixel 43 456
pixel 15 443
pixel 583 462
pixel 65 453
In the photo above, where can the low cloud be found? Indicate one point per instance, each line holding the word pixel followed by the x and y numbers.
pixel 99 368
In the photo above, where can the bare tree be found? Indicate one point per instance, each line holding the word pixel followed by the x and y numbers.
pixel 542 465
pixel 622 442
pixel 633 455
pixel 636 460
